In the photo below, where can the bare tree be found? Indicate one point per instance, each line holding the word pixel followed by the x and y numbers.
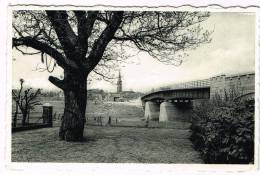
pixel 16 95
pixel 26 101
pixel 81 42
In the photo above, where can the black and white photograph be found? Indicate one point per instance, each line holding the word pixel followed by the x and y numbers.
pixel 121 85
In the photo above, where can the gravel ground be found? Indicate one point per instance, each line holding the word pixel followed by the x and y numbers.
pixel 106 145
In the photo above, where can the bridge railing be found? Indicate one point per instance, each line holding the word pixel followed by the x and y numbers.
pixel 192 84
pixel 186 85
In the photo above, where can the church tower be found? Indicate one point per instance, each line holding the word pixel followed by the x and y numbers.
pixel 119 83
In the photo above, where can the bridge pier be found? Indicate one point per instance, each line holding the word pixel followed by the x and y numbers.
pixel 166 111
pixel 175 111
pixel 152 110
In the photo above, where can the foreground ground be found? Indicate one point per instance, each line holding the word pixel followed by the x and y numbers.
pixel 106 144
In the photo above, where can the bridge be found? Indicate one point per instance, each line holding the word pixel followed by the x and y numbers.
pixel 175 102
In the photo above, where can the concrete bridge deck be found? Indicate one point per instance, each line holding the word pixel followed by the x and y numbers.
pixel 179 94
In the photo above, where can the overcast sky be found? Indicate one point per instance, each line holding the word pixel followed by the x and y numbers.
pixel 232 50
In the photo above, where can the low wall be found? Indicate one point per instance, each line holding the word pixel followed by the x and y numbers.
pixel 239 83
pixel 30 127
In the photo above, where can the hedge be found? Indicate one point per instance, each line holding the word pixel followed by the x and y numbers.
pixel 224 132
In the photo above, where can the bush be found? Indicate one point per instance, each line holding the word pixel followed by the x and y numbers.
pixel 223 131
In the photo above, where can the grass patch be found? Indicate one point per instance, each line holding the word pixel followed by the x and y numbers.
pixel 106 145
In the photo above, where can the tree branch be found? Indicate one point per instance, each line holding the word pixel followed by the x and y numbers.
pixel 101 43
pixel 57 82
pixel 35 44
pixel 85 26
pixel 67 37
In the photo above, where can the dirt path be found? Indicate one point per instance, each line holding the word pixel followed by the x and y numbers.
pixel 106 144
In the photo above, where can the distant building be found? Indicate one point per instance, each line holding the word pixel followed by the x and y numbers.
pixel 121 95
pixel 118 96
pixel 95 94
pixel 114 97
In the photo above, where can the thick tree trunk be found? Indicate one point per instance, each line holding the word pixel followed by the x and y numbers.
pixel 75 93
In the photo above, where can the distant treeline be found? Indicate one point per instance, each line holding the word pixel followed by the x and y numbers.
pixel 92 94
pixel 99 94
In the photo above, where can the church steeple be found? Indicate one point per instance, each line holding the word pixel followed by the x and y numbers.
pixel 119 83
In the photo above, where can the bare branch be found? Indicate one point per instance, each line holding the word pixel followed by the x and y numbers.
pixel 57 82
pixel 67 37
pixel 33 43
pixel 102 42
pixel 85 26
pixel 104 77
pixel 26 53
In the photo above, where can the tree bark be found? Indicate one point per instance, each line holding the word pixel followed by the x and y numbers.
pixel 75 93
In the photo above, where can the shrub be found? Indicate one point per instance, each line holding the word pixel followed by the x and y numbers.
pixel 223 131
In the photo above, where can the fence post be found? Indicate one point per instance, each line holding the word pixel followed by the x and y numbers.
pixel 47 114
